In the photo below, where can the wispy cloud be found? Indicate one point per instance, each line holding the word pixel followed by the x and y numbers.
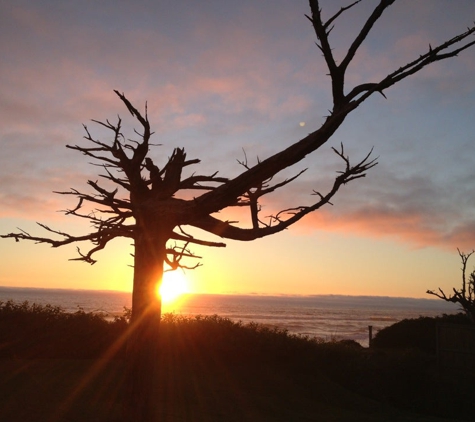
pixel 413 210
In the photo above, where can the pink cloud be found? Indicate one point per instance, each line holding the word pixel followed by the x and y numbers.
pixel 414 229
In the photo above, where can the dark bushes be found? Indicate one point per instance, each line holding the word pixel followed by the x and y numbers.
pixel 215 338
pixel 419 333
pixel 398 370
pixel 45 331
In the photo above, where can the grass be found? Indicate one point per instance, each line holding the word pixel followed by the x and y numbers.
pixel 211 369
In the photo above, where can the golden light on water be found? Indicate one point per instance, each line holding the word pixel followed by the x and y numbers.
pixel 174 284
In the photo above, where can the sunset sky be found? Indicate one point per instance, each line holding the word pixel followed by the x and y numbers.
pixel 222 77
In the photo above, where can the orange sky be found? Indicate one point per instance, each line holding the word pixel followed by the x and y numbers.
pixel 228 76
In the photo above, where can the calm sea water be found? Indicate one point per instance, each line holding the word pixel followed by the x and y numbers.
pixel 323 316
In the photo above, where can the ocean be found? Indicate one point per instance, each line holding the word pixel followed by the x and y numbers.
pixel 324 316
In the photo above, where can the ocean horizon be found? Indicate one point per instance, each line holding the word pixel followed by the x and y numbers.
pixel 252 294
pixel 326 316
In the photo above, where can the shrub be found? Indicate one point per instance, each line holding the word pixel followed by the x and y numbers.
pixel 46 331
pixel 418 333
pixel 213 335
pixel 404 378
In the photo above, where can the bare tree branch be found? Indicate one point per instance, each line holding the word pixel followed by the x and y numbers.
pixel 432 56
pixel 226 230
pixel 465 296
pixel 186 237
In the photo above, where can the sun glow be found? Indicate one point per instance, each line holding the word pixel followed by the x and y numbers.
pixel 174 284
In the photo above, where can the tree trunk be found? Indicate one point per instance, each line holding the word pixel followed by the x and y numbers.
pixel 142 345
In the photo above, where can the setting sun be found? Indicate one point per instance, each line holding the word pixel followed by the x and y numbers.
pixel 173 285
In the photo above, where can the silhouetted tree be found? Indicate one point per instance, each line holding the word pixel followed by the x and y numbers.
pixel 158 218
pixel 465 296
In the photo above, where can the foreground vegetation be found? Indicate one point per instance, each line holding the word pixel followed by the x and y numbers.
pixel 58 366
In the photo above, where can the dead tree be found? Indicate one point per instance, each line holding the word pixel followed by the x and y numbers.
pixel 156 215
pixel 465 296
